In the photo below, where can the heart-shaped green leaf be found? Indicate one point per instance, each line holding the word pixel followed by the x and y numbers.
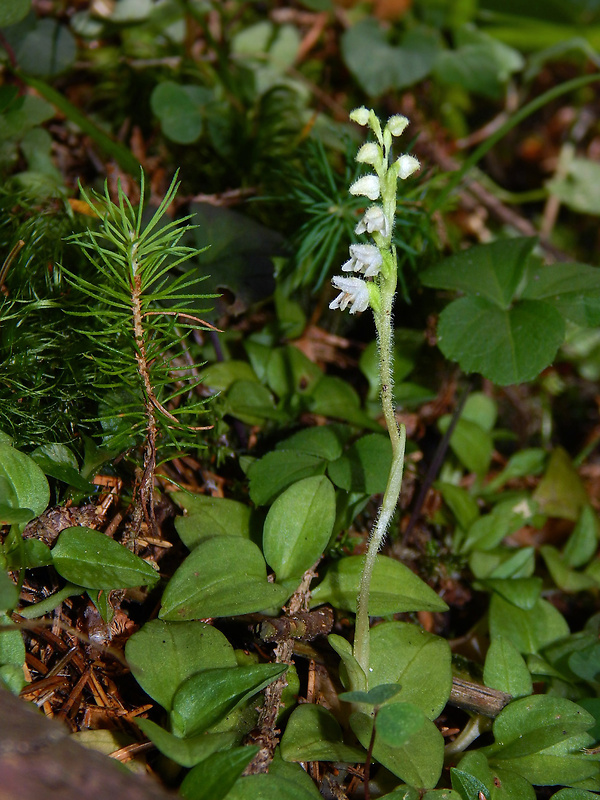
pixel 506 345
pixel 490 271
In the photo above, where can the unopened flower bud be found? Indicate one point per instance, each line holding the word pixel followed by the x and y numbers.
pixel 407 165
pixel 360 116
pixel 397 124
pixel 369 153
pixel 367 186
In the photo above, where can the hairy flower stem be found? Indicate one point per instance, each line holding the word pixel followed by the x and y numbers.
pixel 397 434
pixel 379 265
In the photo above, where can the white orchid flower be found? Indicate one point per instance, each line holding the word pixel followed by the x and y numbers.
pixel 352 291
pixel 364 258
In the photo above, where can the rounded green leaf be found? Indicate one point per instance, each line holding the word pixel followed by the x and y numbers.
pixel 298 526
pixel 162 655
pixel 314 734
pixel 91 559
pixel 507 345
pixel 419 661
pixel 394 588
pixel 396 723
pixel 418 762
pixel 491 271
pixel 47 49
pixel 22 482
pixel 179 111
pixel 208 696
pixel 376 696
pixel 213 778
pixel 277 470
pixel 535 723
pixel 365 466
pixel 270 787
pixel 529 630
pixel 13 11
pixel 222 577
pixel 210 516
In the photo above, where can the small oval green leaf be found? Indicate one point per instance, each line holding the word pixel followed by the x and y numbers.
pixel 91 559
pixel 298 526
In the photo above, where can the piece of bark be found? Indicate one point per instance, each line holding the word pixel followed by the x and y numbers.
pixel 39 759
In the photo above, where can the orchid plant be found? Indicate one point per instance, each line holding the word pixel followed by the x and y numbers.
pixel 374 285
